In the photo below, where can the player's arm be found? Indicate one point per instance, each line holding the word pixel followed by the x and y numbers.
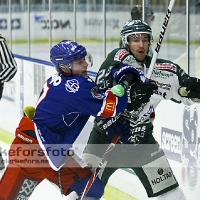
pixel 8 66
pixel 106 104
pixel 138 91
pixel 104 78
pixel 190 88
pixel 102 101
pixel 127 77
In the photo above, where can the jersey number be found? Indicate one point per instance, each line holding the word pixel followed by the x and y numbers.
pixel 45 89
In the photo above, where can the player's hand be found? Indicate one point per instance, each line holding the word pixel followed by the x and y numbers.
pixel 126 72
pixel 115 126
pixel 190 88
pixel 140 93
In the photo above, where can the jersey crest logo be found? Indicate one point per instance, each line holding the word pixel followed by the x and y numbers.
pixel 72 85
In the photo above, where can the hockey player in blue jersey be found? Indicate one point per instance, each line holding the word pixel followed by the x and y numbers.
pixel 65 104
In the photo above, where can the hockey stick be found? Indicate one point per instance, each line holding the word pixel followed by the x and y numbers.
pixel 161 36
pixel 97 170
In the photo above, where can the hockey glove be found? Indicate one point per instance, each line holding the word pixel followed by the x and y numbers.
pixel 140 93
pixel 126 72
pixel 115 126
pixel 29 111
pixel 190 88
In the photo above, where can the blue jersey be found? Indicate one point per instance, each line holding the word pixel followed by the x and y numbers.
pixel 64 107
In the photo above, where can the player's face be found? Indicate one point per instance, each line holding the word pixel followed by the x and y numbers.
pixel 139 45
pixel 79 67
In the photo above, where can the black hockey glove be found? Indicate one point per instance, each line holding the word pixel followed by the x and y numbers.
pixel 115 126
pixel 190 88
pixel 140 93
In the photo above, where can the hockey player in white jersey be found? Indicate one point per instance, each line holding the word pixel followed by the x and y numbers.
pixel 140 152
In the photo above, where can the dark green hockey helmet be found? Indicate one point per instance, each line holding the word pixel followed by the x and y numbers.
pixel 133 27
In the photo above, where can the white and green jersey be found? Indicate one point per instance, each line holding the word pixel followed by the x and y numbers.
pixel 168 76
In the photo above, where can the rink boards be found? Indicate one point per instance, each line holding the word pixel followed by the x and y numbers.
pixel 175 124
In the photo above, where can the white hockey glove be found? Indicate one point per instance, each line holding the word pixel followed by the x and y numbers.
pixel 190 88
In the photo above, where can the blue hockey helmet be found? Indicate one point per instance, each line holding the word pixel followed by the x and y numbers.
pixel 65 52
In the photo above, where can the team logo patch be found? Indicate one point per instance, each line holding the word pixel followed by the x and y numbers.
pixel 159 174
pixel 160 171
pixel 165 66
pixel 162 74
pixel 163 85
pixel 109 105
pixel 120 54
pixel 161 178
pixel 72 85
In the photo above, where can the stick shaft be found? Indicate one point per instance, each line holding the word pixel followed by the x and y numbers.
pixel 161 36
pixel 97 170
